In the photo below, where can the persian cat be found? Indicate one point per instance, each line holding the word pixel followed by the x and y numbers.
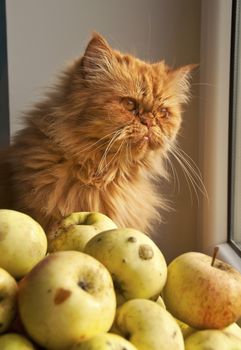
pixel 98 141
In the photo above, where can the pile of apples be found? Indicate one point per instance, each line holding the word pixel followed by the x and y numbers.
pixel 94 286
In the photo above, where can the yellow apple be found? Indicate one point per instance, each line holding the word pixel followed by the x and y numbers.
pixel 185 328
pixel 149 326
pixel 77 229
pixel 8 299
pixel 213 339
pixel 136 264
pixel 23 242
pixel 233 328
pixel 202 294
pixel 14 341
pixel 105 341
pixel 160 302
pixel 67 297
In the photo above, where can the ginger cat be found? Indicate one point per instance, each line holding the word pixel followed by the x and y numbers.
pixel 97 141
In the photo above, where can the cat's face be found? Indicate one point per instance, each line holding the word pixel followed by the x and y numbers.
pixel 130 103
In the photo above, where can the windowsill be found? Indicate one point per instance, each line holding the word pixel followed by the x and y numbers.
pixel 227 254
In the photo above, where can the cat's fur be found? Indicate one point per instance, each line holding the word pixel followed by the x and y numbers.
pixel 83 150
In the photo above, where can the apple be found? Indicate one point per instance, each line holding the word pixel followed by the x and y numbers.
pixel 185 328
pixel 160 302
pixel 147 325
pixel 76 230
pixel 23 242
pixel 8 299
pixel 203 292
pixel 234 329
pixel 14 341
pixel 136 264
pixel 213 339
pixel 67 297
pixel 105 341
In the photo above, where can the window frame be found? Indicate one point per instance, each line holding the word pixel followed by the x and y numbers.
pixel 232 119
pixel 4 93
pixel 214 126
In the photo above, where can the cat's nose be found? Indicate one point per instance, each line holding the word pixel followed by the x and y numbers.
pixel 147 120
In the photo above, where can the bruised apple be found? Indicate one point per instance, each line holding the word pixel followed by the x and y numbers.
pixel 67 297
pixel 136 264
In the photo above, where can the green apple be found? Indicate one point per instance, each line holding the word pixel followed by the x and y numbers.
pixel 23 242
pixel 8 299
pixel 185 328
pixel 160 302
pixel 149 326
pixel 14 341
pixel 105 341
pixel 213 339
pixel 76 230
pixel 136 264
pixel 202 294
pixel 67 297
pixel 233 328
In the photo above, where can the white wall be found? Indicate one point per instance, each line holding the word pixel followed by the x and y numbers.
pixel 43 35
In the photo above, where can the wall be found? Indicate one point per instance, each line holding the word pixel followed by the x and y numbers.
pixel 43 35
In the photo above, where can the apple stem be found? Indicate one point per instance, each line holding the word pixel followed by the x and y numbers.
pixel 215 252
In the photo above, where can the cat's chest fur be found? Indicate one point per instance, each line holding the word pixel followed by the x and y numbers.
pixel 125 195
pixel 49 185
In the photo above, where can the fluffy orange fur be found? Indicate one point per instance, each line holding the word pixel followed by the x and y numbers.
pixel 97 141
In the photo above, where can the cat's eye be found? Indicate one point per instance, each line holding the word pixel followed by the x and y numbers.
pixel 164 113
pixel 130 105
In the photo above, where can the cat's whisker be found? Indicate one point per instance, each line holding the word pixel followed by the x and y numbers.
pixel 117 152
pixel 108 148
pixel 101 145
pixel 189 179
pixel 95 143
pixel 190 171
pixel 129 149
pixel 189 159
pixel 109 145
pixel 174 172
pixel 127 152
pixel 112 159
pixel 203 84
pixel 194 171
pixel 94 149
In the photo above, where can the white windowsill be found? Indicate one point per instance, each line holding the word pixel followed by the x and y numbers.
pixel 227 254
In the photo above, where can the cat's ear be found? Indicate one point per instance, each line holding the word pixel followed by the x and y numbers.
pixel 97 55
pixel 181 78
